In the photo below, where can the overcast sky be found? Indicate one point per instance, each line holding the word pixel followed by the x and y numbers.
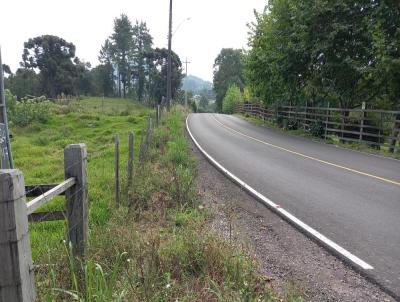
pixel 214 24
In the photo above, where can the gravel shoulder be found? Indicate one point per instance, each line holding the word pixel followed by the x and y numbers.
pixel 286 256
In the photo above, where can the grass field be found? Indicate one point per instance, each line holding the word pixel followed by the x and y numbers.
pixel 158 245
pixel 38 153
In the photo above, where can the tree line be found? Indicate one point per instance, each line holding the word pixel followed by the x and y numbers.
pixel 314 52
pixel 129 67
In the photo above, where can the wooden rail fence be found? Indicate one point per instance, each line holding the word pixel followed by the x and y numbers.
pixel 16 269
pixel 377 128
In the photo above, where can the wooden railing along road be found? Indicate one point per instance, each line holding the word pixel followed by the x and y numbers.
pixel 377 128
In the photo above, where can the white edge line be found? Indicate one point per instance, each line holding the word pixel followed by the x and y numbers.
pixel 326 241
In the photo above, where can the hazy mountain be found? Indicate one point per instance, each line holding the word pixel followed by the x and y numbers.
pixel 195 84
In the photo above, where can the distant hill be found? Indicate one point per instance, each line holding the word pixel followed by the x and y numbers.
pixel 195 84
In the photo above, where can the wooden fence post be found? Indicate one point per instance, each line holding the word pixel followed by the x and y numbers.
pixel 149 133
pixel 75 165
pixel 395 133
pixel 328 112
pixel 16 269
pixel 117 180
pixel 362 121
pixel 141 148
pixel 130 161
pixel 158 115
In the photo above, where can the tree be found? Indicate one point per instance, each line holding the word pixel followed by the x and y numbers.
pixel 102 80
pixel 53 57
pixel 384 77
pixel 344 52
pixel 232 98
pixel 121 50
pixel 104 74
pixel 83 78
pixel 7 69
pixel 143 42
pixel 157 84
pixel 24 82
pixel 203 101
pixel 228 70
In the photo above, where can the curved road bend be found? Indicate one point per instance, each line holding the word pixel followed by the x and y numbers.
pixel 350 197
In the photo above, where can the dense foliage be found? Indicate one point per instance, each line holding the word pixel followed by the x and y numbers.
pixel 228 70
pixel 232 98
pixel 343 52
pixel 27 110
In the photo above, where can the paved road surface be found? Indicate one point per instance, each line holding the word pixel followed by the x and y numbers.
pixel 350 197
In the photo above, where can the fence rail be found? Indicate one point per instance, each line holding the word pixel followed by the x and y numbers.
pixel 377 128
pixel 16 270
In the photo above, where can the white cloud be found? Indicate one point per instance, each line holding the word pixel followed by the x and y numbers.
pixel 214 24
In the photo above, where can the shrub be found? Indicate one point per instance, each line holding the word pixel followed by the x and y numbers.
pixel 317 129
pixel 232 98
pixel 291 124
pixel 28 110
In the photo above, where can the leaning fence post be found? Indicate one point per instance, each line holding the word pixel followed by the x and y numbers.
pixel 16 270
pixel 75 165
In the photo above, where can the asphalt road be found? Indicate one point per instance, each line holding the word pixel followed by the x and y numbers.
pixel 350 197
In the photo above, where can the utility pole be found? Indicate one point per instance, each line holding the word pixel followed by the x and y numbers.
pixel 6 161
pixel 186 70
pixel 169 72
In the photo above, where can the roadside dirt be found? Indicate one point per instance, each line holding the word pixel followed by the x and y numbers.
pixel 285 255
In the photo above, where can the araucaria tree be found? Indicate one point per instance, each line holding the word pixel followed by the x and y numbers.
pixel 228 71
pixel 53 57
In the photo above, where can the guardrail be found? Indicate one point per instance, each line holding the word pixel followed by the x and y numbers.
pixel 377 128
pixel 16 270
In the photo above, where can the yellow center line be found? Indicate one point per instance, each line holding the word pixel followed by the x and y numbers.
pixel 307 156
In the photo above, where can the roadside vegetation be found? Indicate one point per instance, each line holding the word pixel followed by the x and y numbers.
pixel 341 52
pixel 336 54
pixel 158 245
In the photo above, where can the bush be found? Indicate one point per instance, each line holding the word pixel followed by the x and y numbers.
pixel 28 110
pixel 290 124
pixel 317 129
pixel 232 98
